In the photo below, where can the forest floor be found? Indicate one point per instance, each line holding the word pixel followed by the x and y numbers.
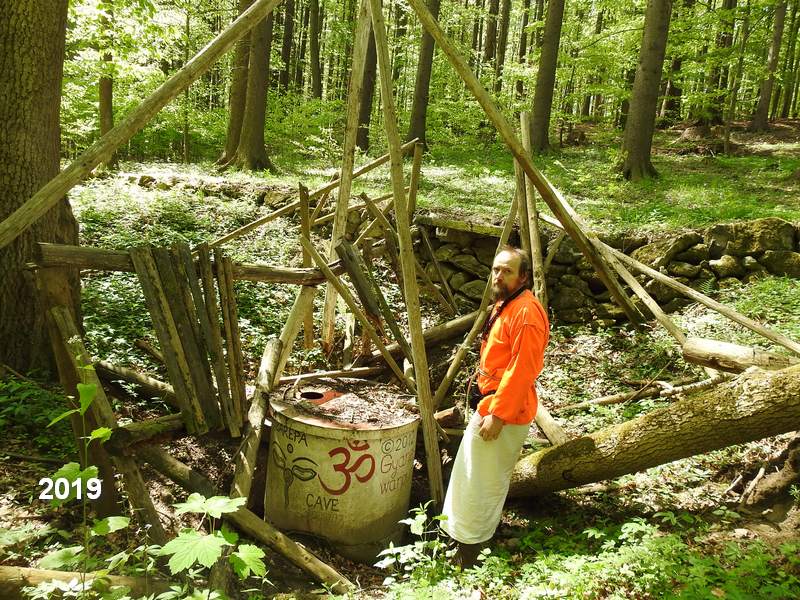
pixel 673 531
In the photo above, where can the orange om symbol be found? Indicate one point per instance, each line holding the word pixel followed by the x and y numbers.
pixel 348 470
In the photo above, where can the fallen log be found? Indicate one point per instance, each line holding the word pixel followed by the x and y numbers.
pixel 435 335
pixel 733 358
pixel 755 405
pixel 139 432
pixel 13 579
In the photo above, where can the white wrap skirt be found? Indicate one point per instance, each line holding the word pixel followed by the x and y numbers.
pixel 479 482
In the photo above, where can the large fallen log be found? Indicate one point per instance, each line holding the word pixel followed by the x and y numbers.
pixel 13 579
pixel 755 405
pixel 733 358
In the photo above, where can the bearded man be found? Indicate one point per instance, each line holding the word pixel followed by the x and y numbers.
pixel 511 357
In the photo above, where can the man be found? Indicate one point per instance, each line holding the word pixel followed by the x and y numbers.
pixel 512 354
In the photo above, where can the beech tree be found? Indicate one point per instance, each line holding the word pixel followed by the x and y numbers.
pixel 32 37
pixel 761 115
pixel 419 106
pixel 546 77
pixel 640 123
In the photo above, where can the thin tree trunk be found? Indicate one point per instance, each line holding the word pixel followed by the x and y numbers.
pixel 522 52
pixel 186 97
pixel 314 34
pixel 759 122
pixel 419 105
pixel 502 42
pixel 31 66
pixel 238 92
pixel 286 46
pixel 299 77
pixel 791 63
pixel 490 41
pixel 640 124
pixel 251 153
pixel 106 83
pixel 744 33
pixel 546 78
pixel 367 93
pixel 539 14
pixel 719 75
pixel 398 60
pixel 752 407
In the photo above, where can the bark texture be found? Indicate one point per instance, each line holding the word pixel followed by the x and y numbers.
pixel 760 117
pixel 546 77
pixel 238 92
pixel 31 63
pixel 756 405
pixel 640 123
pixel 422 84
pixel 367 94
pixel 314 23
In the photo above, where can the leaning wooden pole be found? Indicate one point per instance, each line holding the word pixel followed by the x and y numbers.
pixel 532 212
pixel 549 194
pixel 305 231
pixel 348 157
pixel 103 148
pixel 407 260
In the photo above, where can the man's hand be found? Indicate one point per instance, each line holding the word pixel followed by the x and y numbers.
pixel 490 427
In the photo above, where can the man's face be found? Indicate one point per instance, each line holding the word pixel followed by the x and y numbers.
pixel 506 278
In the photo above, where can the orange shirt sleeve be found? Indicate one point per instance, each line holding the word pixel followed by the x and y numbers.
pixel 527 359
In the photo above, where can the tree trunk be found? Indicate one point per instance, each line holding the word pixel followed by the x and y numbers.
pixel 106 84
pixel 640 124
pixel 754 406
pixel 522 52
pixel 546 78
pixel 31 63
pixel 490 41
pixel 367 93
pixel 299 72
pixel 398 60
pixel 238 92
pixel 759 122
pixel 314 34
pixel 539 13
pixel 419 105
pixel 502 42
pixel 286 46
pixel 670 112
pixel 791 63
pixel 719 75
pixel 251 153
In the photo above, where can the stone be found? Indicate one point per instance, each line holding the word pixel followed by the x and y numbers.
pixel 447 271
pixel 750 237
pixel 626 241
pixel 676 304
pixel 781 262
pixel 555 270
pixel 567 298
pixel 727 266
pixel 603 296
pixel 661 253
pixel 682 269
pixel 604 323
pixel 583 264
pixel 567 254
pixel 576 282
pixel 580 315
pixel 463 303
pixel 705 283
pixel 146 180
pixel 463 239
pixel 446 252
pixel 459 279
pixel 661 292
pixel 470 264
pixel 607 310
pixel 694 255
pixel 728 282
pixel 485 248
pixel 473 289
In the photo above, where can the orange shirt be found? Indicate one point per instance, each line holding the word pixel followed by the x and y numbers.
pixel 511 359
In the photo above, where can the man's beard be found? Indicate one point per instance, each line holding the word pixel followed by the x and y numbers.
pixel 500 292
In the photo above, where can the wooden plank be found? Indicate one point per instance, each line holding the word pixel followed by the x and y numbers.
pixel 550 195
pixel 101 411
pixel 230 323
pixel 407 260
pixel 413 182
pixel 733 358
pixel 102 149
pixel 208 318
pixel 426 242
pixel 355 372
pixel 532 211
pixel 305 231
pixel 348 156
pixel 353 305
pixel 187 343
pixel 215 344
pixel 168 339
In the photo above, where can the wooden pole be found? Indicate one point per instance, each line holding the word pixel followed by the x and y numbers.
pixel 522 208
pixel 151 388
pixel 13 579
pixel 353 306
pixel 733 358
pixel 413 183
pixel 445 285
pixel 348 152
pixel 355 372
pixel 550 195
pixel 305 231
pixel 554 433
pixel 407 260
pixel 103 148
pixel 532 212
pixel 437 334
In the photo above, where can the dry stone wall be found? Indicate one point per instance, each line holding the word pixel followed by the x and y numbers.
pixel 704 259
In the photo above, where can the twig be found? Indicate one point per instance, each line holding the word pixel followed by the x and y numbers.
pixel 733 485
pixel 33 457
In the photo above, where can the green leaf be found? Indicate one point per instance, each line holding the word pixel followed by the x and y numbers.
pixel 63 415
pixel 247 559
pixel 214 506
pixel 194 503
pixel 230 536
pixel 109 525
pixel 101 433
pixel 86 393
pixel 61 558
pixel 192 546
pixel 72 472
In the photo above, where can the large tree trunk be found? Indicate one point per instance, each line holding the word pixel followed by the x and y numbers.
pixel 367 93
pixel 756 405
pixel 105 86
pixel 759 122
pixel 251 153
pixel 546 78
pixel 314 29
pixel 640 124
pixel 286 46
pixel 31 62
pixel 238 92
pixel 502 42
pixel 791 63
pixel 719 75
pixel 419 105
pixel 490 41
